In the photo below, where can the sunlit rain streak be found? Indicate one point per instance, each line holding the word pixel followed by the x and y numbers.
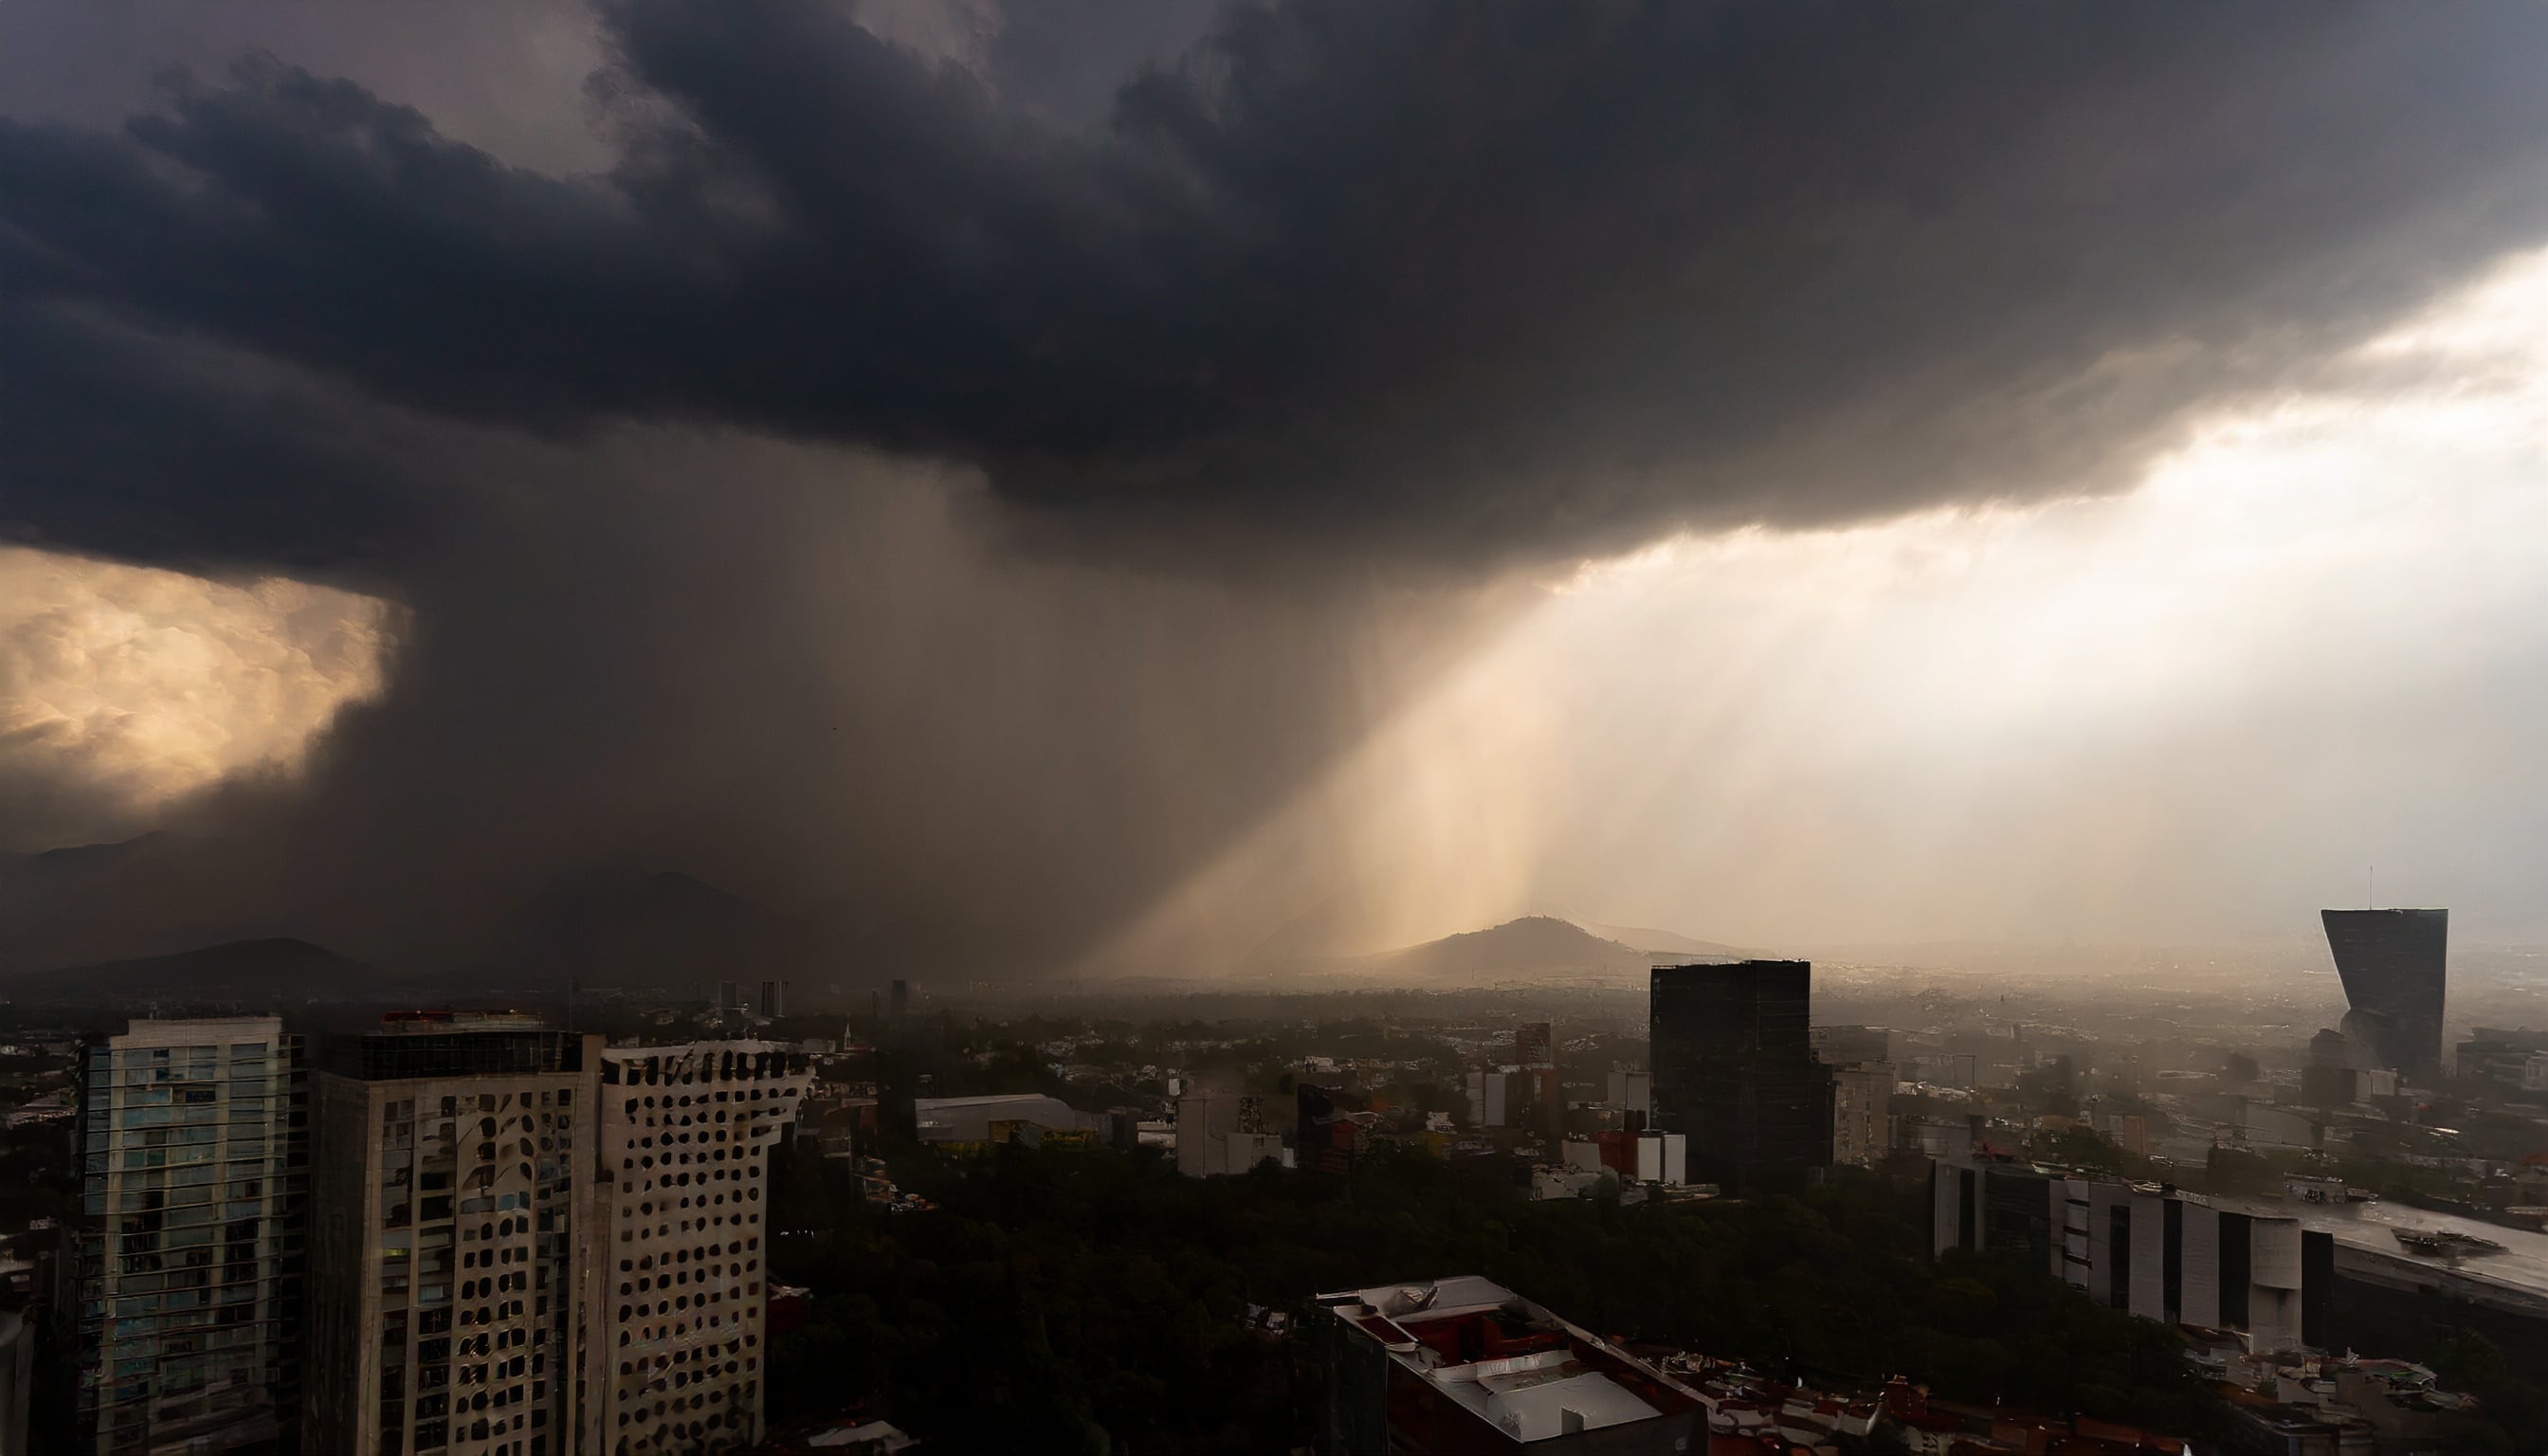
pixel 2316 637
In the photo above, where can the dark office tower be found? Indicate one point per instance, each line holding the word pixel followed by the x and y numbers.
pixel 774 999
pixel 2391 962
pixel 1734 1072
pixel 901 1002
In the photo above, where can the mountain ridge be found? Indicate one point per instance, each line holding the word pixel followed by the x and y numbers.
pixel 279 968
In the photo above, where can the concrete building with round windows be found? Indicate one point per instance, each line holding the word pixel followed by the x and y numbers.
pixel 681 1243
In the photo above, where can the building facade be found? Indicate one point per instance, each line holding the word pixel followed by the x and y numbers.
pixel 448 1314
pixel 2392 963
pixel 186 1257
pixel 1642 1157
pixel 1735 1070
pixel 1633 1092
pixel 1523 1098
pixel 1841 1045
pixel 2157 1252
pixel 1222 1135
pixel 1862 1114
pixel 682 1174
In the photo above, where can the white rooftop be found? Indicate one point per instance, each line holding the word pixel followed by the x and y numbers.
pixel 1539 1408
pixel 1530 1396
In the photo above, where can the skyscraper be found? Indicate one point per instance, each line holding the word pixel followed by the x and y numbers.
pixel 1733 1069
pixel 2392 964
pixel 678 1362
pixel 447 1309
pixel 187 1244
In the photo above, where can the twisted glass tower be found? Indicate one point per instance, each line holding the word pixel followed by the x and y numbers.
pixel 2391 962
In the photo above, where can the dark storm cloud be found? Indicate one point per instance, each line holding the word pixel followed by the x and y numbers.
pixel 126 445
pixel 1443 279
pixel 1446 284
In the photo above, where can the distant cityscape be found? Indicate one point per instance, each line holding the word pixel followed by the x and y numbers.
pixel 495 1232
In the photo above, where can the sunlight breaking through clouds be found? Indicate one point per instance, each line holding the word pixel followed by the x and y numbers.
pixel 2315 638
pixel 123 688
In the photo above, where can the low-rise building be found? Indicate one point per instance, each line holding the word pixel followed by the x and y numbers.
pixel 2500 1055
pixel 2158 1252
pixel 1465 1364
pixel 961 1123
pixel 1569 1182
pixel 1633 1157
pixel 2314 1405
pixel 1221 1133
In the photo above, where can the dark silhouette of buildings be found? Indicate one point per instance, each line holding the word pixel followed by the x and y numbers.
pixel 2328 1079
pixel 1542 1097
pixel 2392 966
pixel 1734 1072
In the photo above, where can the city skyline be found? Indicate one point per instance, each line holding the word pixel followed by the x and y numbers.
pixel 1264 727
pixel 691 1224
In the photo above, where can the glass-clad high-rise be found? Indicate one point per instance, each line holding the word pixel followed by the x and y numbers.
pixel 193 1156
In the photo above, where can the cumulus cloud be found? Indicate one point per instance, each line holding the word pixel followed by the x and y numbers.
pixel 123 688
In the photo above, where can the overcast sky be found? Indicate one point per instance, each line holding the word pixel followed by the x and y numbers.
pixel 1094 484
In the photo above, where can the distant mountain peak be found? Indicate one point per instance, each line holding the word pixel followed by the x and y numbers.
pixel 1533 945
